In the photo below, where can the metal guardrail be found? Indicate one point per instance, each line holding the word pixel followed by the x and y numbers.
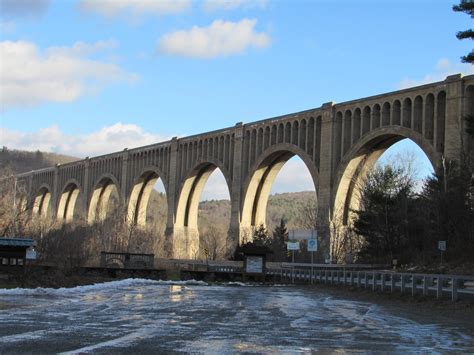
pixel 424 284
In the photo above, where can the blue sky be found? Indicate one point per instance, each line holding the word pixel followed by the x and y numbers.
pixel 87 77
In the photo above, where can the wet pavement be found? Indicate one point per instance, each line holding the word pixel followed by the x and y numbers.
pixel 151 317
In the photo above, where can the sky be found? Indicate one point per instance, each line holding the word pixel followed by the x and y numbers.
pixel 89 77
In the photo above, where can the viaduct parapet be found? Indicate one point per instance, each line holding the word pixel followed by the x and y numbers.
pixel 337 142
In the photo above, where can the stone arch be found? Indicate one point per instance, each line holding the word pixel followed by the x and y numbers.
pixel 418 114
pixel 407 112
pixel 362 157
pixel 356 124
pixel 42 202
pixel 429 116
pixel 191 189
pixel 140 195
pixel 260 180
pixel 440 120
pixel 69 207
pixel 347 126
pixel 105 187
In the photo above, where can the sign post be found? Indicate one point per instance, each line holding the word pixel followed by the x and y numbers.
pixel 312 247
pixel 293 246
pixel 442 248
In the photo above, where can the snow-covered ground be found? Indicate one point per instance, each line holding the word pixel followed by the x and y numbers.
pixel 157 316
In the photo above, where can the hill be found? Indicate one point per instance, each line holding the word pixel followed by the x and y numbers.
pixel 21 161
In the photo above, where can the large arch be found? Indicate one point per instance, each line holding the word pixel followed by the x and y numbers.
pixel 69 201
pixel 186 232
pixel 100 204
pixel 260 181
pixel 362 157
pixel 42 202
pixel 140 195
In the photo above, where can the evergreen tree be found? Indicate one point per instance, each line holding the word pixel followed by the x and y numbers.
pixel 260 236
pixel 280 237
pixel 466 6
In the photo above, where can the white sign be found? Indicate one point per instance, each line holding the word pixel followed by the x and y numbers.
pixel 312 245
pixel 301 234
pixel 442 245
pixel 293 245
pixel 254 264
pixel 30 254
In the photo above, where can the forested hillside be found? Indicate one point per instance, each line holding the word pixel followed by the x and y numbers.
pixel 21 161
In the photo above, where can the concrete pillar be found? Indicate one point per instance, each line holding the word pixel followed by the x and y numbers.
pixel 233 237
pixel 171 195
pixel 325 208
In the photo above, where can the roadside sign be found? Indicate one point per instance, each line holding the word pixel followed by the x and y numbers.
pixel 442 245
pixel 293 245
pixel 31 254
pixel 301 234
pixel 312 245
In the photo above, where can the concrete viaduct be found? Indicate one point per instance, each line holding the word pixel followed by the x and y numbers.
pixel 337 143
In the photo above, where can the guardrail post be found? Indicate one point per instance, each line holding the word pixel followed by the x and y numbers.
pixel 382 282
pixel 454 291
pixel 402 283
pixel 352 278
pixel 374 281
pixel 366 279
pixel 426 281
pixel 413 285
pixel 392 283
pixel 439 288
pixel 359 281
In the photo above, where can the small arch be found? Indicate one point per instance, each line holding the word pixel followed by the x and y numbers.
pixel 288 132
pixel 386 114
pixel 311 134
pixel 407 111
pixel 429 117
pixel 440 121
pixel 356 125
pixel 281 130
pixel 302 135
pixel 274 135
pixel 366 113
pixel 418 114
pixel 396 113
pixel 376 116
pixel 294 132
pixel 266 138
pixel 260 141
pixel 338 137
pixel 347 130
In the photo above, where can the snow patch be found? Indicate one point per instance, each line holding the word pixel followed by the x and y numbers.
pixel 40 291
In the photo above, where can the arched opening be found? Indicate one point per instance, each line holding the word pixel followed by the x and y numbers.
pixel 105 201
pixel 376 116
pixel 41 204
pixel 186 227
pixel 260 184
pixel 69 204
pixel 365 155
pixel 148 207
pixel 386 114
pixel 214 217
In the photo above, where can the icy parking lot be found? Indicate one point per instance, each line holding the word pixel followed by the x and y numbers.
pixel 153 316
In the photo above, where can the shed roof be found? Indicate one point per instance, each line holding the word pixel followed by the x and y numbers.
pixel 17 242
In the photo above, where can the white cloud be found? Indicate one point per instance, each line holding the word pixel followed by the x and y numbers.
pixel 227 5
pixel 113 8
pixel 442 69
pixel 62 74
pixel 221 38
pixel 106 140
